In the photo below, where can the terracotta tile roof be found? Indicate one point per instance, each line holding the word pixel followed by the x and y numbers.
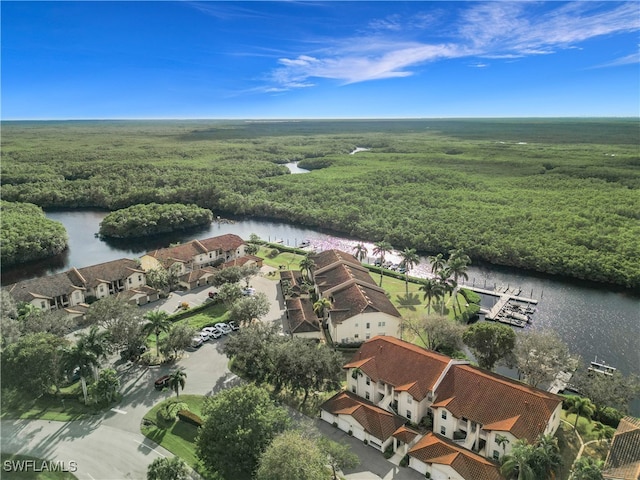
pixel 405 434
pixel 433 448
pixel 226 243
pixel 47 287
pixel 294 277
pixel 338 274
pixel 493 400
pixel 301 317
pixel 623 459
pixel 240 261
pixel 194 275
pixel 353 298
pixel 328 257
pixel 182 253
pixel 375 421
pixel 108 272
pixel 400 363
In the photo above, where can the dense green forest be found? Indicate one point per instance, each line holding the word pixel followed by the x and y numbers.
pixel 28 235
pixel 152 219
pixel 555 196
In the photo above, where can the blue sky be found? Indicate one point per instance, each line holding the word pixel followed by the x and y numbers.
pixel 86 60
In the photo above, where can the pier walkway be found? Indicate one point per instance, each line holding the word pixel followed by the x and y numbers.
pixel 506 295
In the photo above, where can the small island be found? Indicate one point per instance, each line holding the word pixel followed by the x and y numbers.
pixel 151 219
pixel 27 234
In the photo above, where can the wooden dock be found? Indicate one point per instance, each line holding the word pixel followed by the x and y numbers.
pixel 506 295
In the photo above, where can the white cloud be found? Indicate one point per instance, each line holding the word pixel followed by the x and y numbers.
pixel 497 30
pixel 632 59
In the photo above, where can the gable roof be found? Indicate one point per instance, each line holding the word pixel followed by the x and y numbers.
pixel 187 251
pixel 400 364
pixel 495 401
pixel 300 316
pixel 623 459
pixel 226 242
pixel 328 257
pixel 376 421
pixel 433 448
pixel 353 298
pixel 340 273
pixel 47 287
pixel 108 272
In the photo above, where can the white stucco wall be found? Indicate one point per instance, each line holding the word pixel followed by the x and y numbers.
pixel 364 326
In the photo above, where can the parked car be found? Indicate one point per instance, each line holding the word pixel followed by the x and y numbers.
pixel 233 325
pixel 205 335
pixel 196 342
pixel 161 382
pixel 224 328
pixel 212 294
pixel 213 332
pixel 249 291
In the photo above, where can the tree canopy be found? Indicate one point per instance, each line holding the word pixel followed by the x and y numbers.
pixel 489 342
pixel 240 423
pixel 292 455
pixel 26 234
pixel 153 218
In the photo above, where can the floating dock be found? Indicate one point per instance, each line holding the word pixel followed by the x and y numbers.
pixel 516 314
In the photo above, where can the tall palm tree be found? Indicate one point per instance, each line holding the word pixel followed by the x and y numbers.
pixel 158 322
pixel 582 407
pixel 177 381
pixel 546 457
pixel 431 289
pixel 79 356
pixel 458 254
pixel 516 464
pixel 322 307
pixel 409 260
pixel 307 265
pixel 381 249
pixel 446 284
pixel 437 262
pixel 97 343
pixel 502 441
pixel 360 252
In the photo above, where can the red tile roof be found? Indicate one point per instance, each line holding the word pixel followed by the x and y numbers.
pixel 328 257
pixel 301 317
pixel 400 364
pixel 338 274
pixel 353 298
pixel 623 459
pixel 496 402
pixel 433 448
pixel 225 243
pixel 375 421
pixel 405 434
pixel 108 271
pixel 187 251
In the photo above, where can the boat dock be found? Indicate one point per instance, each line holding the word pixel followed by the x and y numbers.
pixel 508 309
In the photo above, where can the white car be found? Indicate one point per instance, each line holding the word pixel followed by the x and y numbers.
pixel 213 332
pixel 196 342
pixel 224 328
pixel 249 291
pixel 205 335
pixel 234 326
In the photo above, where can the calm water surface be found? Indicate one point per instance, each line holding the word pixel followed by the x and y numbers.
pixel 592 320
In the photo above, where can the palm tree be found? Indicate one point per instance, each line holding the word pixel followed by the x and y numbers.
pixel 321 307
pixel 307 265
pixel 380 249
pixel 603 431
pixel 431 289
pixel 97 343
pixel 158 322
pixel 582 407
pixel 458 254
pixel 587 468
pixel 360 251
pixel 409 260
pixel 447 285
pixel 79 356
pixel 177 380
pixel 546 457
pixel 502 441
pixel 516 464
pixel 437 262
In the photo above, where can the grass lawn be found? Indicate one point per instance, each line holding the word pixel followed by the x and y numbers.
pixel 585 427
pixel 67 406
pixel 291 261
pixel 30 474
pixel 178 437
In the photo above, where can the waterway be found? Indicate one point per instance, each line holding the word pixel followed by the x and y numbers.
pixel 592 319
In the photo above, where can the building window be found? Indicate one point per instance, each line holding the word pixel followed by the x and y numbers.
pixel 356 325
pixel 444 415
pixel 353 389
pixel 443 431
pixel 368 325
pixel 496 455
pixel 366 395
pixel 356 336
pixel 367 336
pixel 408 414
pixel 139 278
pixel 101 288
pixel 43 305
pixel 368 381
pixel 409 400
pixel 129 280
pixel 381 324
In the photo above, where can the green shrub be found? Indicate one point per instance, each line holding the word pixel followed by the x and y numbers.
pixel 405 461
pixel 608 416
pixel 273 253
pixel 190 417
pixel 388 452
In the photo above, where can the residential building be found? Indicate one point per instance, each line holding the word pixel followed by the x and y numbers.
pixel 360 309
pixel 301 321
pixel 467 407
pixel 623 459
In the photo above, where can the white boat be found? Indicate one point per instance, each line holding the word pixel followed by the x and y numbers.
pixel 601 367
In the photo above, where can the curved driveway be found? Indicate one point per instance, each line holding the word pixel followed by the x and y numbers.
pixel 110 446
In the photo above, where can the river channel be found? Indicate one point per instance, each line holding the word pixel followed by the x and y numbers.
pixel 595 321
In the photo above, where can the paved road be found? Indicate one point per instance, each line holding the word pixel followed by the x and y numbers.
pixel 111 447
